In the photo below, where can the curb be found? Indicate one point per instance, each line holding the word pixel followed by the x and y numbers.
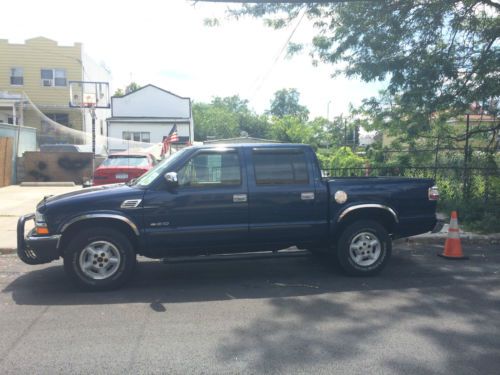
pixel 8 251
pixel 48 183
pixel 466 240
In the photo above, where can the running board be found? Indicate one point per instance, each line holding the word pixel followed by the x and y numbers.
pixel 237 256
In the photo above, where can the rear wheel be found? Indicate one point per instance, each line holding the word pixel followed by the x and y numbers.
pixel 364 248
pixel 99 259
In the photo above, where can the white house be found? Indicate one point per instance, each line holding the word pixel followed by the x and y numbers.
pixel 147 116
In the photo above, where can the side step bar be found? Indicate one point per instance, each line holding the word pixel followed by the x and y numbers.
pixel 238 256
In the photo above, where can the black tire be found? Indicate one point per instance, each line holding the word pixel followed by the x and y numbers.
pixel 76 246
pixel 346 257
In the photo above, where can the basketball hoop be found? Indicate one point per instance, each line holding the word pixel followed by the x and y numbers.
pixel 89 95
pixel 89 101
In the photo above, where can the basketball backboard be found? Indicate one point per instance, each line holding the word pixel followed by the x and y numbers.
pixel 86 94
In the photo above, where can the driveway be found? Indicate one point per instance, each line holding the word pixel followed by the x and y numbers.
pixel 423 314
pixel 18 200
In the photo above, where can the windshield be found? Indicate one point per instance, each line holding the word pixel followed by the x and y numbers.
pixel 126 161
pixel 159 169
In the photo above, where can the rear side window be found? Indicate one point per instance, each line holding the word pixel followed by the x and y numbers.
pixel 280 167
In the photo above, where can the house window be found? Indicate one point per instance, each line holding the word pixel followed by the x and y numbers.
pixel 53 77
pixel 136 136
pixel 61 118
pixel 16 76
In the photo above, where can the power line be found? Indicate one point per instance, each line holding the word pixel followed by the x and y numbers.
pixel 264 77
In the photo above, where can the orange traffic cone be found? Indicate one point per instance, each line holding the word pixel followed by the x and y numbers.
pixel 453 246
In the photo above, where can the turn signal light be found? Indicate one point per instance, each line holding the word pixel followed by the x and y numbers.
pixel 42 230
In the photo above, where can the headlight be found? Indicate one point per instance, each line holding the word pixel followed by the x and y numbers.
pixel 40 224
pixel 39 219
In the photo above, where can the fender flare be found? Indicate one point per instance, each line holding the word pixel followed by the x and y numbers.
pixel 122 218
pixel 368 205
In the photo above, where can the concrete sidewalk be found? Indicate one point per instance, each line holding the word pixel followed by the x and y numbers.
pixel 466 237
pixel 18 200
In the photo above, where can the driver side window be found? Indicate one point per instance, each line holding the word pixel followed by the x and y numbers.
pixel 211 169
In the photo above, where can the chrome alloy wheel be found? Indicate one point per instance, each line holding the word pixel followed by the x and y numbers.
pixel 365 249
pixel 100 260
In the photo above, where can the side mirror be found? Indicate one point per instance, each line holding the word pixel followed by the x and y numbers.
pixel 171 178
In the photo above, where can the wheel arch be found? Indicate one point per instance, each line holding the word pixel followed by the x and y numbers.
pixel 118 222
pixel 384 215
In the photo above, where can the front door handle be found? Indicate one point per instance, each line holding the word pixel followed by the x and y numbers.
pixel 239 198
pixel 309 196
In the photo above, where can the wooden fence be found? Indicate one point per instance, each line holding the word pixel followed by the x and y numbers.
pixel 5 161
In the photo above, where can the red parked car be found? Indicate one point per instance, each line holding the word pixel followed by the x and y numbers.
pixel 123 167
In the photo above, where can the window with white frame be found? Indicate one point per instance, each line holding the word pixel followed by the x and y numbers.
pixel 17 76
pixel 136 136
pixel 53 77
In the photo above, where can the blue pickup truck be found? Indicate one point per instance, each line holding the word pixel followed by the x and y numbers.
pixel 226 199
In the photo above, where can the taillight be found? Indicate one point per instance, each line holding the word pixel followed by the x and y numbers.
pixel 433 193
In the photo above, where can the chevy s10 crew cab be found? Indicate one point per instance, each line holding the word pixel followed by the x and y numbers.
pixel 226 199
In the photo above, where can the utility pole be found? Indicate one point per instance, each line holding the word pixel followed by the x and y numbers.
pixel 345 133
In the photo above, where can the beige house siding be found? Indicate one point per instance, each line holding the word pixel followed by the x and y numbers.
pixel 33 119
pixel 36 54
pixel 43 53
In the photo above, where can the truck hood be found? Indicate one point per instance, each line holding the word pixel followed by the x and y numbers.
pixel 98 196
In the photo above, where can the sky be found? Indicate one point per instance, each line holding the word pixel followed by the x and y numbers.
pixel 165 43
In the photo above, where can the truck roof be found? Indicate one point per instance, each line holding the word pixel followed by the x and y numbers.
pixel 253 145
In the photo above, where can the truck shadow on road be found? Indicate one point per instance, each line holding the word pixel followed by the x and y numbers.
pixel 421 306
pixel 421 316
pixel 416 331
pixel 238 279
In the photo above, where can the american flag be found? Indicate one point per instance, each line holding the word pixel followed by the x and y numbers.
pixel 171 137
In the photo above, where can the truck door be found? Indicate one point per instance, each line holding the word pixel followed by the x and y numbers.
pixel 209 208
pixel 283 202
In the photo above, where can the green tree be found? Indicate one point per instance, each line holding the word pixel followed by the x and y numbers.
pixel 436 56
pixel 341 158
pixel 131 87
pixel 286 103
pixel 214 122
pixel 326 133
pixel 118 93
pixel 290 129
pixel 248 121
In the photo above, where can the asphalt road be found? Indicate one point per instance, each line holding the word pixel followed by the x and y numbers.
pixel 423 314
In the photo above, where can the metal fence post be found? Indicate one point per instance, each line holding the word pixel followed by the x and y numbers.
pixel 466 157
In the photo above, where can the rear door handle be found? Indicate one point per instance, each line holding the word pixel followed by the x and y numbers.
pixel 239 198
pixel 308 196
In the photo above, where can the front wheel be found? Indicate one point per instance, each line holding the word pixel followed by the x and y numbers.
pixel 364 248
pixel 99 259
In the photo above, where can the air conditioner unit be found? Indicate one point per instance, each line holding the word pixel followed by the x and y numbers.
pixel 47 82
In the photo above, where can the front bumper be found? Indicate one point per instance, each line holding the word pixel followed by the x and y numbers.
pixel 33 249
